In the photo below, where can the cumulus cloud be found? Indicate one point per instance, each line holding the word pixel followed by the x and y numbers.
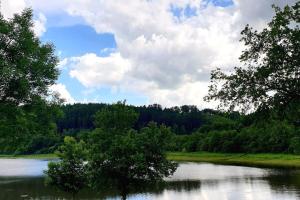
pixel 94 71
pixel 62 91
pixel 9 8
pixel 169 57
pixel 40 25
pixel 165 56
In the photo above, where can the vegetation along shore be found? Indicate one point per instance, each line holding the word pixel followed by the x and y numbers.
pixel 257 160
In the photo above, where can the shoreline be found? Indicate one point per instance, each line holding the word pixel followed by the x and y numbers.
pixel 30 156
pixel 263 160
pixel 253 160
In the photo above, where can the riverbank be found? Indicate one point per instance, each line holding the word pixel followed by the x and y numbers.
pixel 31 156
pixel 257 160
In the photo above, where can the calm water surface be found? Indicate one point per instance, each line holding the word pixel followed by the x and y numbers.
pixel 23 179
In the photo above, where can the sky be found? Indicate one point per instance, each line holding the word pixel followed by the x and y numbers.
pixel 144 51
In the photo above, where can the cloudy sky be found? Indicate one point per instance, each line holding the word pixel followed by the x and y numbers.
pixel 145 51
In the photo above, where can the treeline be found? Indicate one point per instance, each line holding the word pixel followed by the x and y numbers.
pixel 246 134
pixel 182 120
pixel 34 129
pixel 205 130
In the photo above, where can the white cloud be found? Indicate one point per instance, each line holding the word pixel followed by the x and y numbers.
pixel 62 63
pixel 191 93
pixel 40 25
pixel 53 6
pixel 9 8
pixel 62 91
pixel 170 57
pixel 94 71
pixel 165 57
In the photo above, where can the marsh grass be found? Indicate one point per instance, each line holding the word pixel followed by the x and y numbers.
pixel 31 156
pixel 258 160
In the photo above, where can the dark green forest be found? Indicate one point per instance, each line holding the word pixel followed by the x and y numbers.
pixel 182 120
pixel 192 129
pixel 200 130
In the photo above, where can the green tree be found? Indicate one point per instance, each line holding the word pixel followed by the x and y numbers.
pixel 270 76
pixel 116 118
pixel 29 128
pixel 27 69
pixel 69 173
pixel 123 157
pixel 27 66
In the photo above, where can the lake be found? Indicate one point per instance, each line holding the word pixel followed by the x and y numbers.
pixel 23 179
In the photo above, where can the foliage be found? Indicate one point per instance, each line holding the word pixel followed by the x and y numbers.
pixel 29 128
pixel 258 160
pixel 295 145
pixel 27 69
pixel 271 136
pixel 182 120
pixel 116 118
pixel 69 173
pixel 231 132
pixel 271 73
pixel 123 157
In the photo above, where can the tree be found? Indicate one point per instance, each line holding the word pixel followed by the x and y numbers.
pixel 116 118
pixel 27 67
pixel 184 119
pixel 123 157
pixel 270 77
pixel 29 128
pixel 69 173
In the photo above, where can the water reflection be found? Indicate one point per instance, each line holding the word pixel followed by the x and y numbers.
pixel 22 167
pixel 191 181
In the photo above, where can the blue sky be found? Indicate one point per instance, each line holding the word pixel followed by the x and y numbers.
pixel 73 40
pixel 158 51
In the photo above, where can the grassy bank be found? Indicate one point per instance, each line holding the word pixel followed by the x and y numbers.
pixel 258 160
pixel 31 156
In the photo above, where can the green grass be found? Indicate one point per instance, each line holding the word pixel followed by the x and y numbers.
pixel 31 156
pixel 258 160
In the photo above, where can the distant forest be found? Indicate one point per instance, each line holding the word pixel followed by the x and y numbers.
pixel 199 130
pixel 182 120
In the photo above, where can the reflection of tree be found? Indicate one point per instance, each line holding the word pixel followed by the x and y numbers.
pixel 283 180
pixel 35 189
pixel 179 186
pixel 12 188
pixel 152 188
pixel 187 185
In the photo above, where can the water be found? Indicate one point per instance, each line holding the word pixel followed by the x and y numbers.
pixel 23 179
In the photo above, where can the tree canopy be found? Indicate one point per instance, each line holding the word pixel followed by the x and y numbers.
pixel 270 75
pixel 69 174
pixel 27 69
pixel 121 156
pixel 182 119
pixel 27 66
